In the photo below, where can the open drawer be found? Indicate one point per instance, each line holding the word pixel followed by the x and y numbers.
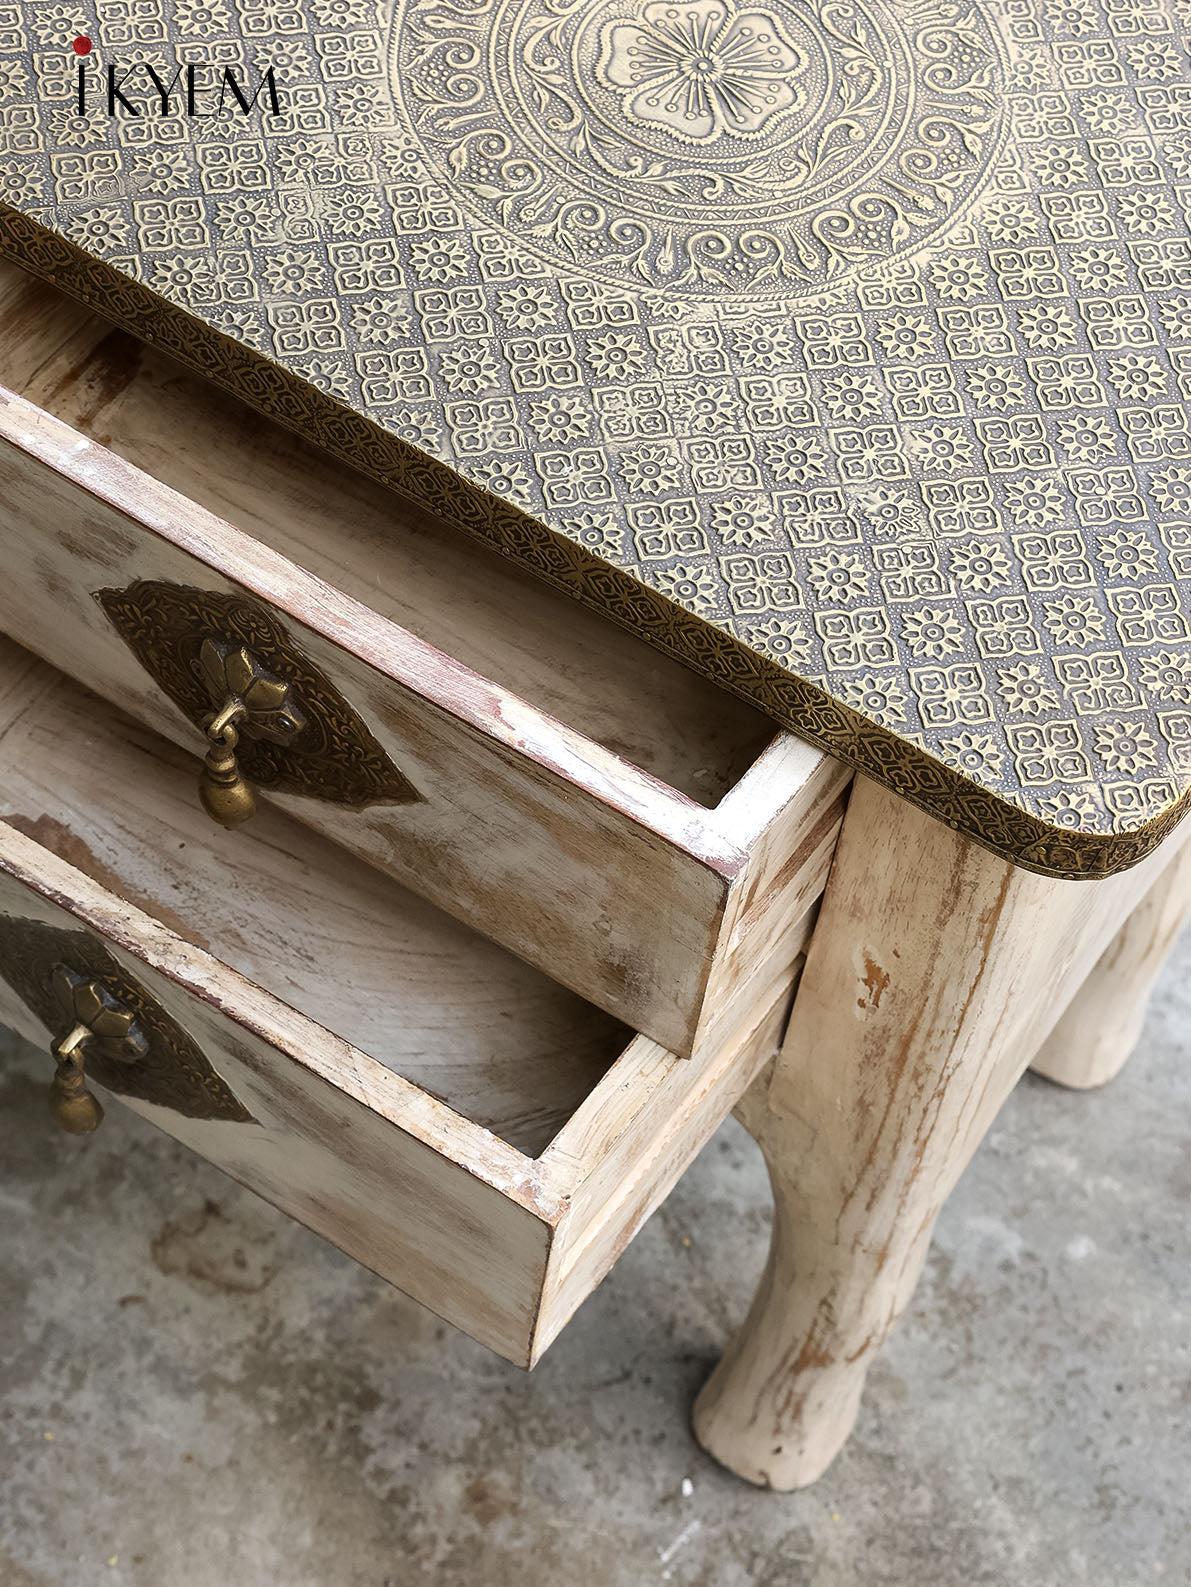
pixel 564 789
pixel 442 1112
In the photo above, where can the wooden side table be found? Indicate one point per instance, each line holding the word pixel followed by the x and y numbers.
pixel 840 354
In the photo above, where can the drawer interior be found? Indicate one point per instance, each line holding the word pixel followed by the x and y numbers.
pixel 405 564
pixel 428 998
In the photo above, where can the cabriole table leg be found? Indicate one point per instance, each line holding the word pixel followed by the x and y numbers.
pixel 933 973
pixel 1103 1022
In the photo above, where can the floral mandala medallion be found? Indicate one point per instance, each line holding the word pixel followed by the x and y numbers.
pixel 700 70
pixel 707 146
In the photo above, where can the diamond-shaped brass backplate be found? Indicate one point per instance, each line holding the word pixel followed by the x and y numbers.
pixel 155 1060
pixel 299 735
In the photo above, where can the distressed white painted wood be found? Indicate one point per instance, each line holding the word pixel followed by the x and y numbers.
pixel 491 1036
pixel 1103 1022
pixel 592 806
pixel 934 971
pixel 442 1112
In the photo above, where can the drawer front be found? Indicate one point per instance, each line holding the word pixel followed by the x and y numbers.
pixel 391 1176
pixel 615 885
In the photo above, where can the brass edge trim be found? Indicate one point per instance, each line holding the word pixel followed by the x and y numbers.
pixel 993 822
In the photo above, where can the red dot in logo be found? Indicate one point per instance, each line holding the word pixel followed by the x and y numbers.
pixel 81 45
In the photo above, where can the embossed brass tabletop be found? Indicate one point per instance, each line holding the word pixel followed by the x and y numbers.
pixel 841 349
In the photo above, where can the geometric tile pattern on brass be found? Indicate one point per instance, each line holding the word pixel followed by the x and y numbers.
pixel 842 350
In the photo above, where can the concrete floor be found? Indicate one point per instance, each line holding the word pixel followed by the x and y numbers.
pixel 194 1392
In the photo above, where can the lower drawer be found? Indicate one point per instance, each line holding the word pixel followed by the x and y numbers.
pixel 441 1111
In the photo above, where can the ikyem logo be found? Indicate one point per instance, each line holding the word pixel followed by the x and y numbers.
pixel 194 90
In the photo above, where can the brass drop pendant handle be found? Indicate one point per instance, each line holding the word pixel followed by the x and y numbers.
pixel 273 719
pixel 76 1107
pixel 107 1031
pixel 100 1019
pixel 227 797
pixel 248 700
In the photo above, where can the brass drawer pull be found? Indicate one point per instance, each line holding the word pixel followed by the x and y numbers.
pixel 99 1017
pixel 116 1033
pixel 249 700
pixel 272 718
